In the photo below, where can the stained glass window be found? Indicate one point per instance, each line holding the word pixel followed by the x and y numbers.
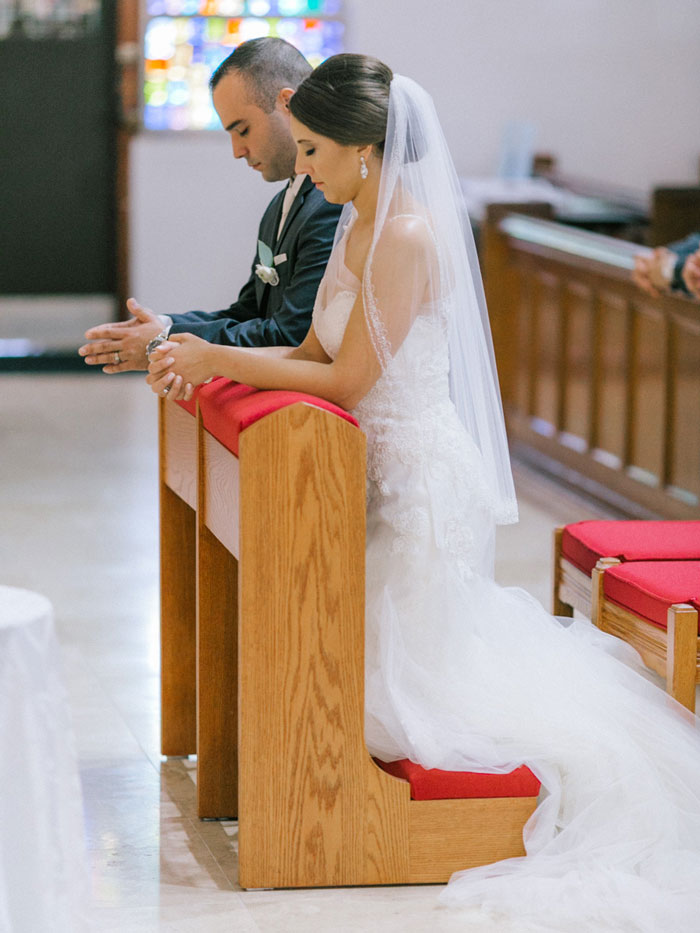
pixel 187 39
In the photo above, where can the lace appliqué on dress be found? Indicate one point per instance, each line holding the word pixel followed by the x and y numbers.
pixel 416 442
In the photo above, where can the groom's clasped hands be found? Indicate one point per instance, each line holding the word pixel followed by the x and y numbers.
pixel 177 365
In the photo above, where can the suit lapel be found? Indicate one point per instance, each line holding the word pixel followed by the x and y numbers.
pixel 269 234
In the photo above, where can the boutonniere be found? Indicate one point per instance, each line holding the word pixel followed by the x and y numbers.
pixel 265 269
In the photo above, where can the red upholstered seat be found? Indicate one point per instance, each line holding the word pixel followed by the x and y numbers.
pixel 432 784
pixel 649 588
pixel 191 405
pixel 584 543
pixel 230 407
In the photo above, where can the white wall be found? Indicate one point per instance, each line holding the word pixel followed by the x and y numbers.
pixel 613 87
pixel 194 218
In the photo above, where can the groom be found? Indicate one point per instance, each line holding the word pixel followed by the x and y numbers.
pixel 251 91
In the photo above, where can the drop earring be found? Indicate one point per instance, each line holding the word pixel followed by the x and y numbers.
pixel 364 171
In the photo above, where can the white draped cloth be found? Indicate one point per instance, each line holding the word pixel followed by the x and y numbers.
pixel 43 875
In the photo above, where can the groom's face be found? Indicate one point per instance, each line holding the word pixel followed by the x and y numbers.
pixel 263 139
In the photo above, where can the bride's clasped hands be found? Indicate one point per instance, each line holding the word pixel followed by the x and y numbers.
pixel 179 364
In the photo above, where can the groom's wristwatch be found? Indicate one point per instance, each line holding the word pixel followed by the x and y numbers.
pixel 167 323
pixel 156 342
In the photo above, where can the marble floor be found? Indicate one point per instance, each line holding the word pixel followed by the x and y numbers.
pixel 78 498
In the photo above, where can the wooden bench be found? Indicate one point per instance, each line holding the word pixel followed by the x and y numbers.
pixel 263 672
pixel 580 546
pixel 653 606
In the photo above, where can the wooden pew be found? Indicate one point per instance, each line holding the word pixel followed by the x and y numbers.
pixel 600 383
pixel 581 546
pixel 273 670
pixel 668 642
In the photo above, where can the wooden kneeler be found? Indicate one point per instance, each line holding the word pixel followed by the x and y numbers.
pixel 571 588
pixel 670 646
pixel 280 635
pixel 579 546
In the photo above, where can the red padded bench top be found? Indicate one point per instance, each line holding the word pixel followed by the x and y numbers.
pixel 649 588
pixel 230 407
pixel 584 543
pixel 433 784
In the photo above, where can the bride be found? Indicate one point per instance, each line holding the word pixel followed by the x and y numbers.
pixel 460 673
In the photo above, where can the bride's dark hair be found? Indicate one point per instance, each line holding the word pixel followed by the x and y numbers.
pixel 347 99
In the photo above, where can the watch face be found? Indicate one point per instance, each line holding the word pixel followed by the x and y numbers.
pixel 152 344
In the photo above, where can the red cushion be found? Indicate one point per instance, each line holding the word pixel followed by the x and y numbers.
pixel 191 405
pixel 648 588
pixel 584 543
pixel 433 784
pixel 228 408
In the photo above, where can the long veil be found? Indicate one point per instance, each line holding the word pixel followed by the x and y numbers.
pixel 465 675
pixel 418 178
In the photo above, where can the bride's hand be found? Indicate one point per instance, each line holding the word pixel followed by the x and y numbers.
pixel 179 364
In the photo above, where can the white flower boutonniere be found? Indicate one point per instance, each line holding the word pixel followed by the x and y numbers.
pixel 265 269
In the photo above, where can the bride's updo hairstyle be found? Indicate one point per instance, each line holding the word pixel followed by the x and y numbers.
pixel 346 99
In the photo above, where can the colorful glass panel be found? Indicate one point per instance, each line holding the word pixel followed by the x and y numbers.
pixel 186 40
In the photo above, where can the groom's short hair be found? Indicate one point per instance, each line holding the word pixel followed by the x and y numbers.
pixel 268 65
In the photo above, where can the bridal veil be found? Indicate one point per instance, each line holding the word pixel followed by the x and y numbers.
pixel 418 180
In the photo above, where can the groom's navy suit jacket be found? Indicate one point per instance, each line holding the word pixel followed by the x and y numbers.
pixel 683 249
pixel 276 315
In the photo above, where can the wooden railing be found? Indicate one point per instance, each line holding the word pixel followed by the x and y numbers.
pixel 600 382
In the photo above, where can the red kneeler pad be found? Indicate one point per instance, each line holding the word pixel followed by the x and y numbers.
pixel 433 784
pixel 584 543
pixel 650 588
pixel 228 408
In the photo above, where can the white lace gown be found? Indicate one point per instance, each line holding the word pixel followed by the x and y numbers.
pixel 462 674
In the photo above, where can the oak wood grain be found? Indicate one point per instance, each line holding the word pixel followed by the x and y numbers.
pixel 682 658
pixel 452 835
pixel 674 652
pixel 219 492
pixel 560 606
pixel 217 631
pixel 314 808
pixel 301 642
pixel 217 678
pixel 177 605
pixel 575 587
pixel 179 451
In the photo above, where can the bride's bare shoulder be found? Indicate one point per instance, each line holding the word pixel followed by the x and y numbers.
pixel 408 240
pixel 408 233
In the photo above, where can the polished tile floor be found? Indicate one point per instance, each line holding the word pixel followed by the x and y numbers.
pixel 78 499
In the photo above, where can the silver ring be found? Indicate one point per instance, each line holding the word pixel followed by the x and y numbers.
pixel 166 390
pixel 117 358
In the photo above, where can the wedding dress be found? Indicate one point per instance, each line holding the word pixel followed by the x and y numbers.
pixel 462 674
